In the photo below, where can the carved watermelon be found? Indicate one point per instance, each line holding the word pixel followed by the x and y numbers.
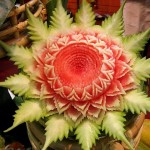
pixel 79 76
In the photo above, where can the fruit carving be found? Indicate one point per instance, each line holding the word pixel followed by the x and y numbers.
pixel 79 77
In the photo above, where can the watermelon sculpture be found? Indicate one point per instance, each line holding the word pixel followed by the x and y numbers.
pixel 80 77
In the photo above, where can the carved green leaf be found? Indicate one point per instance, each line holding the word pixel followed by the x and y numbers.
pixel 136 102
pixel 136 43
pixel 85 16
pixel 50 7
pixel 37 29
pixel 114 24
pixel 113 125
pixel 19 84
pixel 23 114
pixel 20 55
pixel 57 127
pixel 63 22
pixel 141 68
pixel 87 133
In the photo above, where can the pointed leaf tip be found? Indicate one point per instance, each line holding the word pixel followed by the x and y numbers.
pixel 113 125
pixel 85 15
pixel 136 42
pixel 19 84
pixel 60 19
pixel 114 25
pixel 36 26
pixel 141 69
pixel 87 133
pixel 18 54
pixel 57 127
pixel 136 102
pixel 5 46
pixel 28 111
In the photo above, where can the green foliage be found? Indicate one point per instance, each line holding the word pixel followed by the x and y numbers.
pixel 63 22
pixel 37 29
pixel 2 142
pixel 113 25
pixel 20 55
pixel 136 102
pixel 85 16
pixel 18 100
pixel 19 84
pixel 87 132
pixel 23 114
pixel 136 43
pixel 113 125
pixel 50 7
pixel 141 69
pixel 57 127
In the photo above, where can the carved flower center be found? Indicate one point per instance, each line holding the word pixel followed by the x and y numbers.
pixel 77 65
pixel 85 67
